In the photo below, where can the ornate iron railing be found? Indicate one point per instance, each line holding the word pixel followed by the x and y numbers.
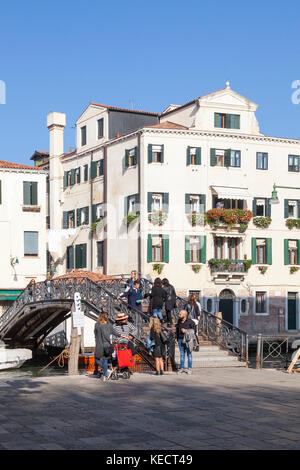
pixel 219 331
pixel 232 267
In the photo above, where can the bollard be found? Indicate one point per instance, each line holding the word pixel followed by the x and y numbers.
pixel 219 317
pixel 259 352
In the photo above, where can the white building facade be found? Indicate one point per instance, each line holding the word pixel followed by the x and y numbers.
pixel 22 227
pixel 196 181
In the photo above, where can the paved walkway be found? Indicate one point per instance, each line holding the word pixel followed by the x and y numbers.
pixel 213 409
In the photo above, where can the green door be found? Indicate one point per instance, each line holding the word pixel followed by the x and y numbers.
pixel 292 310
pixel 226 305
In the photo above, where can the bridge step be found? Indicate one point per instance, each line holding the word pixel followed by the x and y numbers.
pixel 211 356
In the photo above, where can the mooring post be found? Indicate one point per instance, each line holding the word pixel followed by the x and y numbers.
pixel 259 352
pixel 76 319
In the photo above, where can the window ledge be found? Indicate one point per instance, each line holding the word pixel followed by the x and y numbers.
pixel 32 208
pixel 261 314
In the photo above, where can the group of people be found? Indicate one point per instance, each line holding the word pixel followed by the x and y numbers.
pixel 162 297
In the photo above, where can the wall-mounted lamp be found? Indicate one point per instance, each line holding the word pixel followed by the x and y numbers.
pixel 14 260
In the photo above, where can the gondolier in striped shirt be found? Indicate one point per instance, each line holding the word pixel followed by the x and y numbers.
pixel 124 332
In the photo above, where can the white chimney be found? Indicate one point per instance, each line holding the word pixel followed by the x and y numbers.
pixel 56 123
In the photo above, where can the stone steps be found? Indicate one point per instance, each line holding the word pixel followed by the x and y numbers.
pixel 211 357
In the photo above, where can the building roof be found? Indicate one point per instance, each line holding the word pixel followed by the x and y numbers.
pixel 113 108
pixel 96 277
pixel 16 166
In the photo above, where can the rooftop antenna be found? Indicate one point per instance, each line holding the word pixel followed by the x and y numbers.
pixel 131 102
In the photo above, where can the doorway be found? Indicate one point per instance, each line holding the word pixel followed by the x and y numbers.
pixel 292 311
pixel 226 301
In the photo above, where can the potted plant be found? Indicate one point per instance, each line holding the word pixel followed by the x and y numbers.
pixel 196 219
pixel 130 218
pixel 158 217
pixel 158 267
pixel 262 222
pixel 196 268
pixel 263 269
pixel 293 269
pixel 292 223
pixel 97 226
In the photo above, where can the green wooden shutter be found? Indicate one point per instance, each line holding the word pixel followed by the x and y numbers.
pixel 34 195
pixel 227 157
pixel 165 202
pixel 298 209
pixel 93 170
pixel 83 255
pixel 187 203
pixel 149 249
pixel 126 205
pixel 286 252
pixel 65 179
pixel 73 176
pixel 135 155
pixel 203 249
pixel 94 213
pixel 268 250
pixel 198 156
pixel 253 246
pixel 162 153
pixel 79 175
pixel 26 193
pixel 268 207
pixel 78 217
pixel 286 208
pixel 65 219
pixel 101 167
pixel 298 252
pixel 254 206
pixel 137 204
pixel 77 257
pixel 202 203
pixel 127 158
pixel 187 250
pixel 70 257
pixel 86 169
pixel 188 155
pixel 165 248
pixel 235 121
pixel 149 202
pixel 213 160
pixel 217 120
pixel 150 153
pixel 87 214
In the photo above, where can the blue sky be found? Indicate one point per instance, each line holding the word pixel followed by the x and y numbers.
pixel 61 55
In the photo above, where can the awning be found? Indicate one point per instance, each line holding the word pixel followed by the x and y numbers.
pixel 9 294
pixel 227 192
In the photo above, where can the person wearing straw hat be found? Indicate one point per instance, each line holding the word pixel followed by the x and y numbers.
pixel 124 332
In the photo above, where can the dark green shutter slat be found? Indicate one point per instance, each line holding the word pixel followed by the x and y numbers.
pixel 165 248
pixel 253 246
pixel 162 154
pixel 298 252
pixel 187 250
pixel 165 202
pixel 79 175
pixel 77 257
pixel 268 207
pixel 78 217
pixel 254 207
pixel 149 249
pixel 70 251
pixel 298 209
pixel 65 179
pixel 286 252
pixel 73 176
pixel 83 254
pixel 126 158
pixel 227 157
pixel 101 167
pixel 149 202
pixel 202 203
pixel 150 153
pixel 187 203
pixel 203 249
pixel 268 250
pixel 34 196
pixel 86 169
pixel 87 214
pixel 94 213
pixel 188 155
pixel 198 156
pixel 216 120
pixel 93 170
pixel 65 219
pixel 213 160
pixel 135 155
pixel 126 205
pixel 26 193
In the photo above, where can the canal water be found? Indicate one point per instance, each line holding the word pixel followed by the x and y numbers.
pixel 33 368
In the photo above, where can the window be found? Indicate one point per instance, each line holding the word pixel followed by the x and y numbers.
pixel 77 175
pixel 193 156
pixel 97 168
pixel 100 128
pixel 195 249
pixel 227 121
pixel 100 252
pixel 291 209
pixel 70 257
pixel 70 219
pixel 131 157
pixel 261 207
pixel 196 293
pixel 261 251
pixel 83 136
pixel 227 248
pixel 227 203
pixel 261 161
pixel 260 302
pixel 30 243
pixel 158 202
pixel 292 252
pixel 225 158
pixel 97 212
pixel 210 304
pixel 155 153
pixel 131 204
pixel 294 163
pixel 30 197
pixel 80 256
pixel 82 216
pixel 158 248
pixel 243 306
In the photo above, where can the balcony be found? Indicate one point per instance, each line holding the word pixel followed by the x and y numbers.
pixel 228 271
pixel 229 219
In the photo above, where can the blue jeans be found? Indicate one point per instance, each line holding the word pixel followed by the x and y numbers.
pixel 157 313
pixel 183 349
pixel 103 364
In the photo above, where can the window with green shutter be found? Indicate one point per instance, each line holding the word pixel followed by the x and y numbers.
pixel 65 179
pixel 165 248
pixel 193 156
pixel 100 253
pixel 213 159
pixel 70 257
pixel 73 176
pixel 94 170
pixel 155 153
pixel 86 172
pixel 253 249
pixel 291 252
pixel 30 197
pixel 187 250
pixel 227 121
pixel 149 249
pixel 80 256
pixel 268 250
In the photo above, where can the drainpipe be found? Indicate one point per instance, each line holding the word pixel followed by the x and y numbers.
pixel 91 213
pixel 139 192
pixel 105 209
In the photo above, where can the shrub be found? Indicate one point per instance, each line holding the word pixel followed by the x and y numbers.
pixel 262 222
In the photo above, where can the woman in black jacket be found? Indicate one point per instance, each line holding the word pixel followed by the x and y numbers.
pixel 103 331
pixel 170 302
pixel 157 298
pixel 159 347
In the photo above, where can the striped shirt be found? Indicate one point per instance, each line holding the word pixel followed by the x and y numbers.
pixel 124 329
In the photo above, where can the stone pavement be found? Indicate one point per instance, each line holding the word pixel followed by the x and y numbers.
pixel 212 409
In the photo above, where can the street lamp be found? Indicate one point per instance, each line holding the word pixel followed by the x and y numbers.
pixel 274 198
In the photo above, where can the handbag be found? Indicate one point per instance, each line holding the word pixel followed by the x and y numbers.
pixel 164 338
pixel 108 350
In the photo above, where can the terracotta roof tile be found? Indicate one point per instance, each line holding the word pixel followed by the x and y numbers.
pixel 96 277
pixel 17 166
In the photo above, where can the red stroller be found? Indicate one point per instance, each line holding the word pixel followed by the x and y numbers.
pixel 121 361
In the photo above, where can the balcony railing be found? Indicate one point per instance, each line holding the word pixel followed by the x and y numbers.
pixel 228 266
